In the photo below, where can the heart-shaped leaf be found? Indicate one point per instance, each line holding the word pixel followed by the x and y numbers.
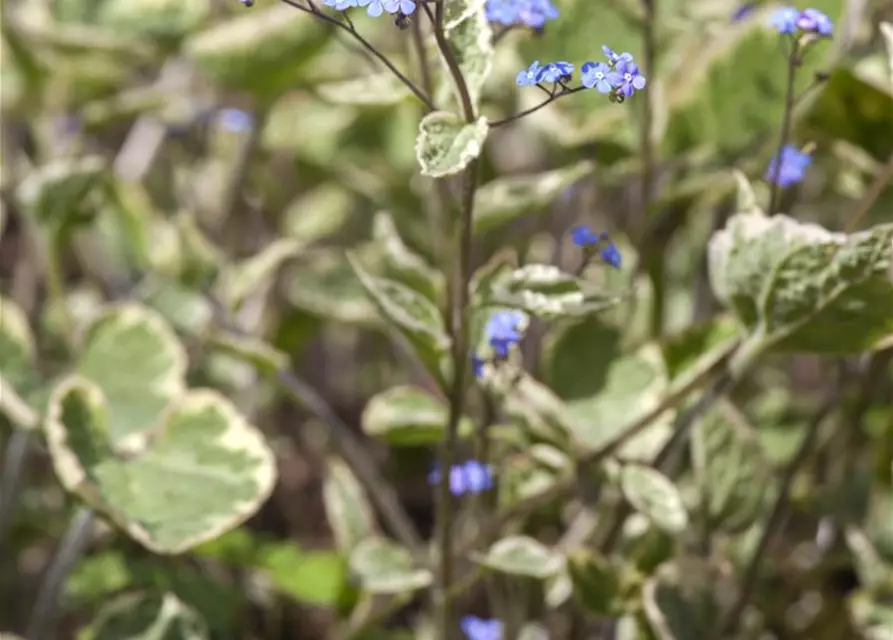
pixel 347 506
pixel 446 144
pixel 522 556
pixel 471 42
pixel 653 495
pixel 732 470
pixel 502 200
pixel 384 567
pixel 134 357
pixel 146 615
pixel 795 284
pixel 18 377
pixel 409 312
pixel 607 390
pixel 408 417
pixel 202 471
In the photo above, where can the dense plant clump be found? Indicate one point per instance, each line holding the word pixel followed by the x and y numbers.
pixel 445 319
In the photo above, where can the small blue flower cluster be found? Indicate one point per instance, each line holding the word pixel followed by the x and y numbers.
pixel 589 240
pixel 794 163
pixel 469 477
pixel 374 8
pixel 619 78
pixel 743 12
pixel 788 20
pixel 503 329
pixel 479 629
pixel 530 13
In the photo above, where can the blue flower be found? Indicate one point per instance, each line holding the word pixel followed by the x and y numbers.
pixel 583 236
pixel 555 71
pixel 477 365
pixel 342 5
pixel 529 13
pixel 479 629
pixel 235 120
pixel 614 57
pixel 793 165
pixel 631 80
pixel 406 7
pixel 611 254
pixel 814 21
pixel 598 76
pixel 374 9
pixel 743 11
pixel 784 20
pixel 530 76
pixel 505 328
pixel 469 477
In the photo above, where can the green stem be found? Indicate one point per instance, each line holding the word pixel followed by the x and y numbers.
pixel 789 99
pixel 457 324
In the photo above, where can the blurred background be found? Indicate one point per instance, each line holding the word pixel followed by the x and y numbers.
pixel 193 135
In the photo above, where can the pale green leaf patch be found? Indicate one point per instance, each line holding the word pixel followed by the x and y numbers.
pixel 522 556
pixel 385 568
pixel 148 616
pixel 377 89
pixel 239 280
pixel 460 10
pixel 135 358
pixel 51 192
pixel 403 264
pixel 446 144
pixel 157 18
pixel 653 495
pixel 408 416
pixel 202 471
pixel 347 506
pixel 471 41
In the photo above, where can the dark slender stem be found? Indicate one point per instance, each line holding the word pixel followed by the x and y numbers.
pixel 73 544
pixel 369 47
pixel 552 98
pixel 457 324
pixel 871 195
pixel 752 574
pixel 789 100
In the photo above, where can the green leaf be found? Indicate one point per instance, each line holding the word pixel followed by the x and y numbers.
pixel 385 568
pixel 795 284
pixel 202 471
pixel 596 583
pixel 347 507
pixel 471 41
pixel 721 93
pixel 264 51
pixel 459 11
pixel 446 144
pixel 376 89
pixel 185 309
pixel 653 495
pixel 607 390
pixel 416 317
pixel 504 199
pixel 547 292
pixel 52 192
pixel 522 556
pixel 872 613
pixel 680 601
pixel 134 357
pixel 732 471
pixel 872 569
pixel 402 264
pixel 312 577
pixel 408 417
pixel 240 279
pixel 261 355
pixel 143 616
pixel 318 213
pixel 535 406
pixel 887 32
pixel 155 18
pixel 19 380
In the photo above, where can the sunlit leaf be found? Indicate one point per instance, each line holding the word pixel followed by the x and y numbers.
pixel 384 567
pixel 446 144
pixel 347 507
pixel 471 41
pixel 522 556
pixel 378 89
pixel 408 417
pixel 312 577
pixel 402 263
pixel 240 279
pixel 18 377
pixel 652 494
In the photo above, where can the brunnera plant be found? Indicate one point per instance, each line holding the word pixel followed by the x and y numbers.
pixel 589 479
